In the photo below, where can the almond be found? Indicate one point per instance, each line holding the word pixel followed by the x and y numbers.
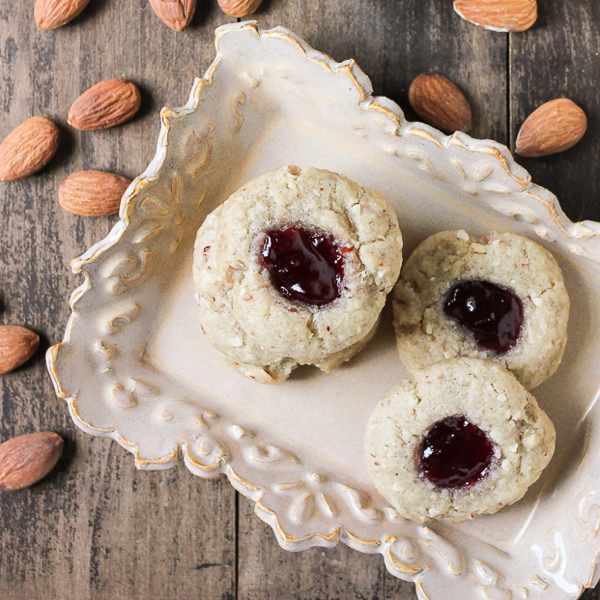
pixel 106 104
pixel 92 193
pixel 27 458
pixel 28 148
pixel 239 8
pixel 553 127
pixel 176 14
pixel 440 103
pixel 498 15
pixel 17 346
pixel 50 14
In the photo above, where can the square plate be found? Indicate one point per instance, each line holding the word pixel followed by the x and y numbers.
pixel 135 366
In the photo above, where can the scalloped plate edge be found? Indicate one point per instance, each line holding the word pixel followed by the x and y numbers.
pixel 586 232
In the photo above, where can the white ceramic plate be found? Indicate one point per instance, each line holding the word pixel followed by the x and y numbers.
pixel 135 366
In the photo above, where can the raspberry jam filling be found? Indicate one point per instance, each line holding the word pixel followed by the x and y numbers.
pixel 493 314
pixel 454 453
pixel 305 266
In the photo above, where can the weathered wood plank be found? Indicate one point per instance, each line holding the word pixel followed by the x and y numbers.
pixel 559 57
pixel 392 42
pixel 268 572
pixel 95 528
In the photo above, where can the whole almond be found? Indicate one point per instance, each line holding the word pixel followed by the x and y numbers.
pixel 498 15
pixel 28 148
pixel 176 14
pixel 27 458
pixel 17 346
pixel 239 8
pixel 553 127
pixel 440 103
pixel 92 193
pixel 50 14
pixel 106 104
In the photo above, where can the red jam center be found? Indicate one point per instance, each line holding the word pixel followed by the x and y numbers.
pixel 493 314
pixel 454 453
pixel 305 266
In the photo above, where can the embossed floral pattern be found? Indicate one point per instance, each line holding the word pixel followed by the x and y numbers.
pixel 306 503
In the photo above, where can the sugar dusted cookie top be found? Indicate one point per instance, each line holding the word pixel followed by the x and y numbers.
pixel 464 439
pixel 294 269
pixel 500 297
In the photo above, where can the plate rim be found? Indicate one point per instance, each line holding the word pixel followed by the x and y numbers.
pixel 586 233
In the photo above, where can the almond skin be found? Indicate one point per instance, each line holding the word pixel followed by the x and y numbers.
pixel 50 14
pixel 553 127
pixel 239 8
pixel 17 346
pixel 106 104
pixel 92 193
pixel 28 148
pixel 498 15
pixel 176 14
pixel 440 103
pixel 27 458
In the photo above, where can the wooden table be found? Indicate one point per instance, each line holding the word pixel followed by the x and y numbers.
pixel 96 528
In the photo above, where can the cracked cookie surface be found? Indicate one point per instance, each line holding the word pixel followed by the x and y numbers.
pixel 521 436
pixel 261 333
pixel 426 334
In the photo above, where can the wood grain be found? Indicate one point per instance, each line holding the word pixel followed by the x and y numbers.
pixel 96 528
pixel 389 45
pixel 560 57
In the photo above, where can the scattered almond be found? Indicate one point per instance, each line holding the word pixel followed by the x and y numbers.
pixel 27 458
pixel 28 148
pixel 17 346
pixel 106 104
pixel 92 193
pixel 440 103
pixel 239 8
pixel 498 15
pixel 50 14
pixel 553 127
pixel 176 14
